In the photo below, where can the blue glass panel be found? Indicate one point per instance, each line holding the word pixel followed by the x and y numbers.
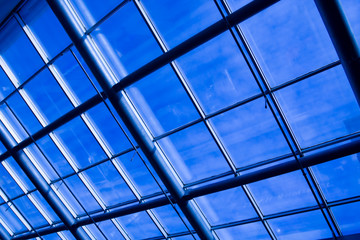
pixel 309 225
pixel 194 154
pixel 53 236
pixel 53 154
pixel 169 219
pixel 45 26
pixel 29 211
pixel 48 96
pixel 20 173
pixel 348 217
pixel 248 231
pixel 139 226
pixel 340 178
pixel 82 194
pixel 18 52
pixel 95 232
pixel 131 46
pixel 6 87
pixel 226 206
pixel 274 196
pixel 236 4
pixel 218 73
pixel 7 214
pixel 109 184
pixel 109 229
pixel 65 192
pixel 8 185
pixel 10 118
pixel 68 235
pixel 44 205
pixel 321 108
pixel 138 173
pixel 92 11
pixel 111 132
pixel 71 72
pixel 351 9
pixel 250 133
pixel 171 110
pixel 80 143
pixel 289 39
pixel 179 20
pixel 186 237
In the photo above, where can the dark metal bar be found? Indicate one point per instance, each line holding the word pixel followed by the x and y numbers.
pixel 41 185
pixel 343 39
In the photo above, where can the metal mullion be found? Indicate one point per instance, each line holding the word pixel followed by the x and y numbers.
pixel 157 223
pixel 120 228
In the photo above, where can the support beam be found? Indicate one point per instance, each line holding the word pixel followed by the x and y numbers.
pixel 41 185
pixel 343 39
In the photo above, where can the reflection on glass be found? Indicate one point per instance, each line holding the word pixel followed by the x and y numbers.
pixel 11 219
pixel 9 122
pixel 351 9
pixel 170 219
pixel 44 205
pixel 6 87
pixel 29 211
pixel 8 184
pixel 19 172
pixel 95 232
pixel 348 218
pixel 109 229
pixel 255 231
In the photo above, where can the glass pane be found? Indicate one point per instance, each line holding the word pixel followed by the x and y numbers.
pixel 250 231
pixel 274 196
pixel 194 154
pixel 109 229
pixel 6 87
pixel 20 173
pixel 351 9
pixel 29 211
pixel 289 39
pixel 131 46
pixel 250 133
pixel 340 178
pixel 169 219
pixel 173 109
pixel 18 52
pixel 8 216
pixel 321 108
pixel 218 73
pixel 236 4
pixel 109 184
pixel 64 191
pixel 348 217
pixel 45 26
pixel 178 21
pixel 226 206
pixel 309 225
pixel 95 232
pixel 44 205
pixel 8 184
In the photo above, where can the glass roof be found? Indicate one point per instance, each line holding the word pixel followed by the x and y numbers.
pixel 86 159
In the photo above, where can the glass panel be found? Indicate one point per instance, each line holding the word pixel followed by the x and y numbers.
pixel 348 217
pixel 109 184
pixel 236 4
pixel 226 206
pixel 274 196
pixel 53 236
pixel 250 133
pixel 170 219
pixel 8 184
pixel 194 153
pixel 248 231
pixel 6 87
pixel 321 108
pixel 130 47
pixel 95 232
pixel 351 9
pixel 110 231
pixel 20 173
pixel 8 216
pixel 80 143
pixel 340 178
pixel 29 211
pixel 309 225
pixel 18 52
pixel 44 205
pixel 173 109
pixel 69 197
pixel 218 73
pixel 45 26
pixel 289 39
pixel 177 21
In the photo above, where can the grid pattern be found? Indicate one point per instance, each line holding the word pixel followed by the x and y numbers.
pixel 268 90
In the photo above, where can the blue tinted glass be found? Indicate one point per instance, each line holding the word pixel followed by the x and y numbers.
pixel 289 39
pixel 273 195
pixel 29 211
pixel 80 143
pixel 179 20
pixel 250 231
pixel 109 184
pixel 194 154
pixel 53 154
pixel 340 178
pixel 250 133
pixel 45 26
pixel 11 219
pixel 138 173
pixel 348 217
pixel 109 229
pixel 139 225
pixel 351 9
pixel 321 108
pixel 63 189
pixel 309 225
pixel 186 237
pixel 108 128
pixel 167 112
pixel 236 4
pixel 131 46
pixel 170 219
pixel 47 95
pixel 6 87
pixel 9 120
pixel 218 73
pixel 8 185
pixel 20 173
pixel 44 205
pixel 95 232
pixel 74 76
pixel 53 236
pixel 226 206
pixel 68 235
pixel 18 52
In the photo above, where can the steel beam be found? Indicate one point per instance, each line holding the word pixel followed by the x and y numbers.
pixel 41 185
pixel 343 39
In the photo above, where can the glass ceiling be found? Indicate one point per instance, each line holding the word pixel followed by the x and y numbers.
pixel 266 91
